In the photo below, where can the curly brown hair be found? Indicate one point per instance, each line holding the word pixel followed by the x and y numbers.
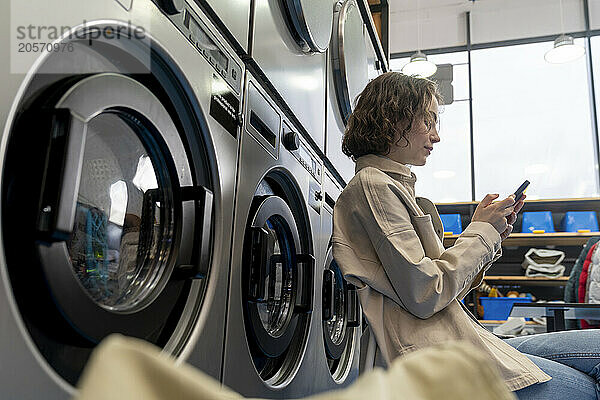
pixel 388 103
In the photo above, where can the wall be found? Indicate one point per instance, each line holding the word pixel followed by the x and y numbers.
pixel 443 22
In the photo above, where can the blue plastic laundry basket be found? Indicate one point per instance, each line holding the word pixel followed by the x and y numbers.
pixel 451 223
pixel 498 308
pixel 536 221
pixel 580 220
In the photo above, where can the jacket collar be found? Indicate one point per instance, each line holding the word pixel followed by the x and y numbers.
pixel 394 169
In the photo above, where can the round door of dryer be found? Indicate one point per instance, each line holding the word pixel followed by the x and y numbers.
pixel 106 217
pixel 277 286
pixel 341 317
pixel 310 23
pixel 349 53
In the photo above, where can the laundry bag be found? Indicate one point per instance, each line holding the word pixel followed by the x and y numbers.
pixel 544 262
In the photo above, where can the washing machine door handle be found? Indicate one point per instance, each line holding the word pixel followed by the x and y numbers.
pixel 64 159
pixel 353 307
pixel 259 267
pixel 305 266
pixel 196 227
pixel 328 291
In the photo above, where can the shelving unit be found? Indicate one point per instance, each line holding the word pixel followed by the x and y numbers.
pixel 538 239
pixel 507 272
pixel 526 280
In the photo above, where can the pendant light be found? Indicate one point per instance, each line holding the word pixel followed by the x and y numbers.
pixel 564 50
pixel 418 65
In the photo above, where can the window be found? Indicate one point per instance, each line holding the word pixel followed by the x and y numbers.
pixel 532 121
pixel 447 175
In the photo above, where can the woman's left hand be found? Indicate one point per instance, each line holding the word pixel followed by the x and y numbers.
pixel 512 218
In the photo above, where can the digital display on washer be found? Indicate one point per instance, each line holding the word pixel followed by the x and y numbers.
pixel 207 44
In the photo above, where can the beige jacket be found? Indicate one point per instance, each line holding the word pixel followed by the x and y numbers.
pixel 129 369
pixel 388 243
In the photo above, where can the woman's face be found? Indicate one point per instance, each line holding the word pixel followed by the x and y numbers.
pixel 421 139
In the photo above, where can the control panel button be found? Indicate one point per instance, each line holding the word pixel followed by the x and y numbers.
pixel 291 141
pixel 171 7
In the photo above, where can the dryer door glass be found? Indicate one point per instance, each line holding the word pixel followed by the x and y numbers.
pixel 124 218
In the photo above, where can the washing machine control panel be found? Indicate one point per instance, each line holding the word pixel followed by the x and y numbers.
pixel 207 44
pixel 293 142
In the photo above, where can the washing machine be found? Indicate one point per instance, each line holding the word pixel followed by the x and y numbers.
pixel 347 75
pixel 272 332
pixel 289 41
pixel 233 19
pixel 118 154
pixel 339 314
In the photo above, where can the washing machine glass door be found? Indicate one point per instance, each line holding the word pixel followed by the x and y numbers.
pixel 278 291
pixel 114 212
pixel 310 23
pixel 340 318
pixel 349 56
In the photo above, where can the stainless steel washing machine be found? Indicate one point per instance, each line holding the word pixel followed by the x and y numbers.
pixel 289 41
pixel 347 75
pixel 233 19
pixel 272 332
pixel 339 313
pixel 118 156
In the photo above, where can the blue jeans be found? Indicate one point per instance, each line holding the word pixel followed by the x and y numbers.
pixel 571 358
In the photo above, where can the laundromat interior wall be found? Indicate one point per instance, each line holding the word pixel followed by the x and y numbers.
pixel 492 139
pixel 443 22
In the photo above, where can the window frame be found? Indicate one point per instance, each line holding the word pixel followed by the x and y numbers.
pixel 587 34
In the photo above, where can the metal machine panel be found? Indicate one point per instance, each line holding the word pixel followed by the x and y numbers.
pixel 297 75
pixel 235 16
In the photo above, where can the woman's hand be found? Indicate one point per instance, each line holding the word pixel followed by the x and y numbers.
pixel 499 214
pixel 512 218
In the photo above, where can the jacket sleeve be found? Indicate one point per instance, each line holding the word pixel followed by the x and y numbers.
pixel 423 286
pixel 480 276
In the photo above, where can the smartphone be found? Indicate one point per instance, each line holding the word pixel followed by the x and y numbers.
pixel 520 190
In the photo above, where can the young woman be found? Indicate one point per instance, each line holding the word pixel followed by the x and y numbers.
pixel 388 243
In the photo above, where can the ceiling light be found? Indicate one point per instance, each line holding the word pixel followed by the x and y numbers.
pixel 419 66
pixel 565 50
